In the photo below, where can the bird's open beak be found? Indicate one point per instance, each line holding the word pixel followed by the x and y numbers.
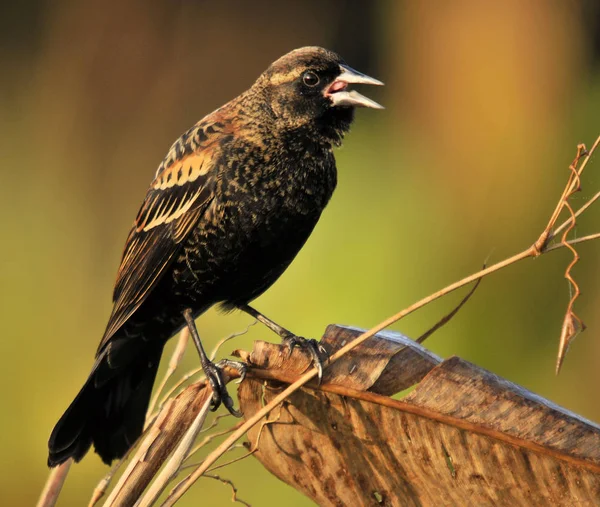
pixel 339 95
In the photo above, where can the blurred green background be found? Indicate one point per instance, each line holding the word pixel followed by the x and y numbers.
pixel 485 105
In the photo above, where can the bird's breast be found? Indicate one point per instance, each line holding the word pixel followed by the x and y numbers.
pixel 262 215
pixel 277 183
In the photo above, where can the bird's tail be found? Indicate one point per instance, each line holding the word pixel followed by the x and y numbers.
pixel 110 409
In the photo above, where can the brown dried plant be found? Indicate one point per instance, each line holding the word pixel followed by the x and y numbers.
pixel 572 324
pixel 172 430
pixel 540 247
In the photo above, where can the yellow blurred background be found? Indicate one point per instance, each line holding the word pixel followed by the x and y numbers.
pixel 486 102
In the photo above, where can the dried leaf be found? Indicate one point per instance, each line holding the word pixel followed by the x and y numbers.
pixel 464 436
pixel 387 365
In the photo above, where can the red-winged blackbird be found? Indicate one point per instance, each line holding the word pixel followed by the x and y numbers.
pixel 230 207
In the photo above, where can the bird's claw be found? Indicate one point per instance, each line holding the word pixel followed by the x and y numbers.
pixel 214 375
pixel 315 350
pixel 241 368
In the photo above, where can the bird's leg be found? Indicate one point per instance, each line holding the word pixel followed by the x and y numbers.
pixel 316 351
pixel 213 371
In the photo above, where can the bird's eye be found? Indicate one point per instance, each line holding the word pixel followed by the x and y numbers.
pixel 310 78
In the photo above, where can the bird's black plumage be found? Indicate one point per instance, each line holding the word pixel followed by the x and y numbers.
pixel 231 205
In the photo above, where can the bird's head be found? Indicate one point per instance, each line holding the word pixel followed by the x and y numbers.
pixel 308 91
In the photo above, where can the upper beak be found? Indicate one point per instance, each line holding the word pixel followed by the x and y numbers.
pixel 340 96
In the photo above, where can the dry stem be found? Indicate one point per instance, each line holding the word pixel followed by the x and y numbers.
pixel 54 484
pixel 572 324
pixel 174 463
pixel 176 358
pixel 447 318
pixel 169 428
pixel 234 490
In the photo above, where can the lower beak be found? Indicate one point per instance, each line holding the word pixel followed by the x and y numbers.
pixel 339 95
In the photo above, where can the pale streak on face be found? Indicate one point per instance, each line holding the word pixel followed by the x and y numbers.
pixel 280 78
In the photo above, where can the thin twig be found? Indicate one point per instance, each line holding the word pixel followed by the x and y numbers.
pixel 447 318
pixel 249 453
pixel 571 186
pixel 103 484
pixel 211 437
pixel 176 357
pixel 234 497
pixel 575 241
pixel 215 422
pixel 230 337
pixel 586 158
pixel 568 221
pixel 572 324
pixel 54 484
pixel 234 460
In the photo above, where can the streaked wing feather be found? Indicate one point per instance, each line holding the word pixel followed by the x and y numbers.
pixel 177 198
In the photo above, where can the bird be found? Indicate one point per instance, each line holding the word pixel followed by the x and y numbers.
pixel 230 206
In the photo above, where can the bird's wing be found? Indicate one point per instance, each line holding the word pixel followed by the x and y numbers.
pixel 179 195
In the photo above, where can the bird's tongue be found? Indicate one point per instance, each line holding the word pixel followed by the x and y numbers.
pixel 337 86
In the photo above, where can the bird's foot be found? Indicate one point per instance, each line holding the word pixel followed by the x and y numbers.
pixel 312 347
pixel 214 375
